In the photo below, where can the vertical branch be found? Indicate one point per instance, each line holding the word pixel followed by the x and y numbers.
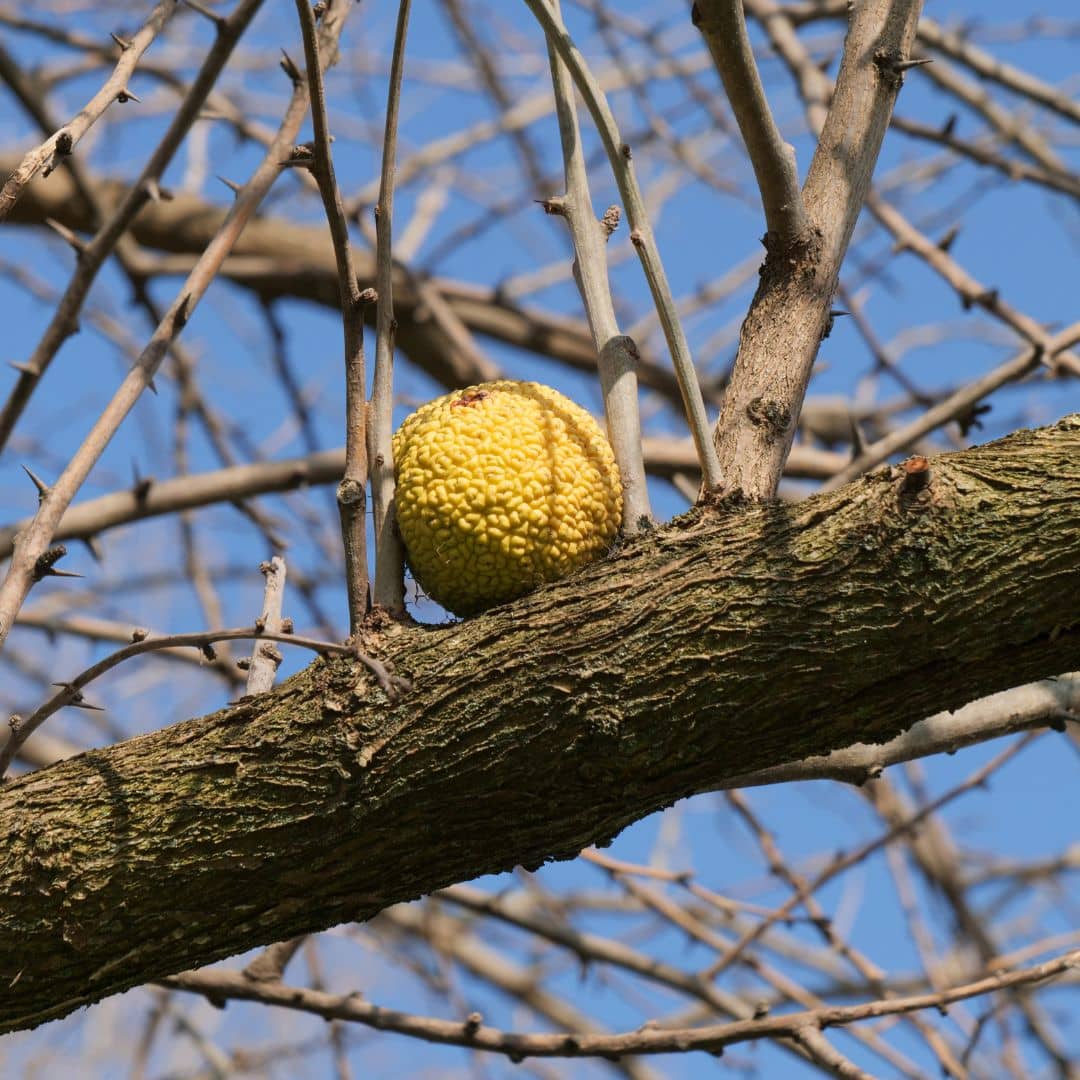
pixel 266 656
pixel 723 27
pixel 617 353
pixel 789 315
pixel 352 491
pixel 389 553
pixel 620 156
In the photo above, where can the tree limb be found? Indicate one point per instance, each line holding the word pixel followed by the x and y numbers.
pixel 789 315
pixel 723 644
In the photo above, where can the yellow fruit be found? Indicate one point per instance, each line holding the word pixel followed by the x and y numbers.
pixel 501 487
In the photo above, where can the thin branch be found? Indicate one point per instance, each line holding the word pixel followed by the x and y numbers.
pixel 34 541
pixel 620 155
pixel 952 43
pixel 266 658
pixel 71 692
pixel 62 143
pixel 617 354
pixel 134 199
pixel 352 491
pixel 474 1034
pixel 389 550
pixel 723 26
pixel 1048 703
pixel 852 858
pixel 85 520
pixel 958 404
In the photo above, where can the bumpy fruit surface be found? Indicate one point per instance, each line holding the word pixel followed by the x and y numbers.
pixel 500 487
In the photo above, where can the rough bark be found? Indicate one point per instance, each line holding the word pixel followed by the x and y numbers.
pixel 726 642
pixel 789 315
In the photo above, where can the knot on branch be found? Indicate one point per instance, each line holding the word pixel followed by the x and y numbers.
pixel 769 414
pixel 350 492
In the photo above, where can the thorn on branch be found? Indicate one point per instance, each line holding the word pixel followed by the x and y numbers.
pixel 907 65
pixel 46 564
pixel 67 235
pixel 43 489
pixel 140 489
pixel 290 69
pixel 834 314
pixel 91 545
pixel 892 66
pixel 949 126
pixel 858 439
pixel 230 184
pixel 183 313
pixel 77 700
pixel 124 44
pixel 988 299
pixel 125 95
pixel 969 419
pixel 947 241
pixel 61 149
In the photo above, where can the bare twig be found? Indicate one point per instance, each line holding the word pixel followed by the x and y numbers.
pixel 266 658
pixel 620 155
pixel 1043 704
pixel 71 692
pixel 62 143
pixel 352 491
pixel 617 353
pixel 517 1046
pixel 35 540
pixel 85 520
pixel 723 27
pixel 389 592
pixel 958 403
pixel 135 198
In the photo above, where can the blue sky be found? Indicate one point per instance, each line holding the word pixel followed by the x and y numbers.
pixel 1022 241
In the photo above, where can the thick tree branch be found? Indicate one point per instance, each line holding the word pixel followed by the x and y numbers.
pixel 790 312
pixel 545 725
